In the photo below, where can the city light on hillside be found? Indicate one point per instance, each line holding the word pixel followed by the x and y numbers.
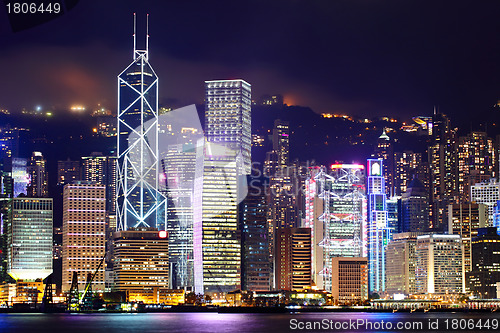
pixel 77 108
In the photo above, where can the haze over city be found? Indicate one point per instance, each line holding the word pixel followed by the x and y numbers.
pixel 357 58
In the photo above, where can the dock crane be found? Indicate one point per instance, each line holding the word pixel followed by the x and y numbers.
pixel 75 302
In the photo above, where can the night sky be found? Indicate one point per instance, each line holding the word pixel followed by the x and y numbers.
pixel 365 58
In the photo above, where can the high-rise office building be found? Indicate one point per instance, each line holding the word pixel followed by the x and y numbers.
pixel 415 208
pixel 465 219
pixel 140 259
pixel 178 165
pixel 393 212
pixel 222 161
pixel 38 186
pixel 293 258
pixel 68 171
pixel 476 161
pixel 283 188
pixel 102 170
pixel 94 168
pixel 442 159
pixel 20 176
pixel 84 219
pixel 216 233
pixel 440 268
pixel 485 274
pixel 28 231
pixel 401 262
pixel 409 165
pixel 385 151
pixel 228 118
pixel 378 231
pixel 349 280
pixel 255 241
pixel 139 203
pixel 281 141
pixel 341 227
pixel 313 210
pixel 487 193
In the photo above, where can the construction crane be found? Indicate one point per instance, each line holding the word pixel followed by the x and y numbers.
pixel 75 301
pixel 73 294
pixel 88 285
pixel 47 302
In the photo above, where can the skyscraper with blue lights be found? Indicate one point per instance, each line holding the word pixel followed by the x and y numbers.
pixel 139 203
pixel 378 232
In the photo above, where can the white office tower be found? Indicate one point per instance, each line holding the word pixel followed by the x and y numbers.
pixel 439 268
pixel 488 193
pixel 28 235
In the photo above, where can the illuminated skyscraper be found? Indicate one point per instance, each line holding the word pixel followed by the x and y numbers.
pixel 102 170
pixel 439 266
pixel 442 157
pixel 94 168
pixel 140 259
pixel 476 161
pixel 349 280
pixel 401 261
pixel 465 219
pixel 293 258
pixel 216 234
pixel 485 273
pixel 68 171
pixel 443 169
pixel 281 141
pixel 378 231
pixel 282 190
pixel 414 208
pixel 84 219
pixel 407 166
pixel 29 238
pixel 222 161
pixel 179 168
pixel 255 241
pixel 313 210
pixel 228 118
pixel 38 186
pixel 20 176
pixel 341 227
pixel 487 193
pixel 139 203
pixel 385 152
pixel 393 212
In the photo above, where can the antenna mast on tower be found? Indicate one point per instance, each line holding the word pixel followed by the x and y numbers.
pixel 147 36
pixel 133 57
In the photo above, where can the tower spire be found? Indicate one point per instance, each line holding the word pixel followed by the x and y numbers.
pixel 147 36
pixel 133 56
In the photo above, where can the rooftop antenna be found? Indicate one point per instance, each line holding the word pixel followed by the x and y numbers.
pixel 147 36
pixel 134 37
